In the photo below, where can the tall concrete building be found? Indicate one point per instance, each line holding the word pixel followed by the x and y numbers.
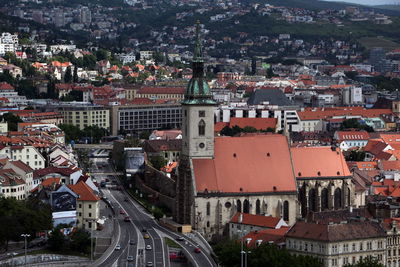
pixel 85 15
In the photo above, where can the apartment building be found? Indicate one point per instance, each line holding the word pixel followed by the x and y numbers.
pixel 137 118
pixel 87 116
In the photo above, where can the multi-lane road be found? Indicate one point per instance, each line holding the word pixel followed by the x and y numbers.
pixel 142 237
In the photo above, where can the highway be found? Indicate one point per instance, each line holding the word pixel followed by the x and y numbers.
pixel 141 224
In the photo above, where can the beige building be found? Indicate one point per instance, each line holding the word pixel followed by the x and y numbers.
pixel 338 244
pixel 12 185
pixel 87 116
pixel 27 154
pixel 87 206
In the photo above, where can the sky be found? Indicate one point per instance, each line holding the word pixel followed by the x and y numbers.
pixel 371 2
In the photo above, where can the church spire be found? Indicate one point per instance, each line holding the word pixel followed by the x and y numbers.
pixel 198 91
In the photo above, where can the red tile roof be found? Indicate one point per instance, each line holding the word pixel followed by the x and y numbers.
pixel 307 162
pixel 161 90
pixel 267 235
pixel 324 113
pixel 84 191
pixel 256 220
pixel 352 135
pixel 51 181
pixel 51 169
pixel 4 86
pixel 19 164
pixel 246 164
pixel 258 123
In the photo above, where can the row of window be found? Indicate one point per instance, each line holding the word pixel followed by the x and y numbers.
pixel 13 190
pixel 301 245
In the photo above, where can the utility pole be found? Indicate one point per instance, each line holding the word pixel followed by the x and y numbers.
pixel 25 236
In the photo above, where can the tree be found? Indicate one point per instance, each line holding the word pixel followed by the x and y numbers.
pixel 144 135
pixel 71 132
pixel 249 129
pixel 356 156
pixel 102 54
pixel 368 261
pixel 95 132
pixel 75 76
pixel 158 162
pixel 80 241
pixel 68 75
pixel 12 121
pixel 57 241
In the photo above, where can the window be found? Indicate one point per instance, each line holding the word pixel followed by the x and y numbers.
pixel 361 246
pixel 208 208
pixel 286 210
pixel 80 206
pixel 202 128
pixel 202 113
pixel 90 214
pixel 90 206
pixel 354 246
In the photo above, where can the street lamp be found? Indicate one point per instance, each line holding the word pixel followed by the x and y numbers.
pixel 25 236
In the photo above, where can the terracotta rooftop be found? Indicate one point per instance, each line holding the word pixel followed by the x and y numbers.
pixel 161 90
pixel 265 236
pixel 307 162
pixel 256 220
pixel 324 113
pixel 258 123
pixel 8 177
pixel 19 164
pixel 155 146
pixel 51 169
pixel 246 164
pixel 51 181
pixel 352 135
pixel 84 191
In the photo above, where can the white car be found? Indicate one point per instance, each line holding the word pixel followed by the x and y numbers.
pixel 118 247
pixel 148 247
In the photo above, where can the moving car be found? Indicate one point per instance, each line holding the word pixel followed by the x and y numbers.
pixel 118 247
pixel 131 242
pixel 127 219
pixel 149 264
pixel 148 247
pixel 197 250
pixel 146 236
pixel 122 212
pixel 129 258
pixel 179 238
pixel 144 230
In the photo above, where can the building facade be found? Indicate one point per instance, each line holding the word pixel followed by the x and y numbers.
pixel 87 116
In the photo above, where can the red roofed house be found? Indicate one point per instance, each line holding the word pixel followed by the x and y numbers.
pixel 349 139
pixel 258 237
pixel 88 206
pixel 250 222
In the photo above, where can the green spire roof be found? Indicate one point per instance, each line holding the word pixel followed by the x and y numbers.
pixel 198 91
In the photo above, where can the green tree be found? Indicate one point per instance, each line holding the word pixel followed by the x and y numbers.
pixel 356 156
pixel 158 162
pixel 249 129
pixel 368 261
pixel 144 135
pixel 80 241
pixel 68 75
pixel 57 241
pixel 12 121
pixel 95 133
pixel 72 132
pixel 102 54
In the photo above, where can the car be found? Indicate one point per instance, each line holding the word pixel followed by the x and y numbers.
pixel 126 199
pixel 148 247
pixel 146 236
pixel 197 250
pixel 118 247
pixel 129 258
pixel 127 219
pixel 144 230
pixel 149 264
pixel 122 212
pixel 131 242
pixel 179 238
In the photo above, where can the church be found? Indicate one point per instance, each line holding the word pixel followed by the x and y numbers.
pixel 257 174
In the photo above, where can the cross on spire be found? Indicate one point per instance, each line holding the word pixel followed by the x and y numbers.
pixel 198 53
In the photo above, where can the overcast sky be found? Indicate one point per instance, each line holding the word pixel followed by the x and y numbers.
pixel 371 2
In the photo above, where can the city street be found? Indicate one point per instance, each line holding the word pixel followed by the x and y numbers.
pixel 132 239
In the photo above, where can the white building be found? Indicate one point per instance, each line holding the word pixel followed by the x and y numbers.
pixel 12 185
pixel 8 43
pixel 27 154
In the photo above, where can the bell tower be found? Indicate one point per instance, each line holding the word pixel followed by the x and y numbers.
pixel 198 110
pixel 197 135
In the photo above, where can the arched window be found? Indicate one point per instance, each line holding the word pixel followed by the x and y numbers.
pixel 239 205
pixel 202 127
pixel 286 210
pixel 258 207
pixel 312 200
pixel 338 198
pixel 324 199
pixel 246 206
pixel 208 208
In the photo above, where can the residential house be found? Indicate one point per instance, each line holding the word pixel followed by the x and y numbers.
pixel 12 185
pixel 349 139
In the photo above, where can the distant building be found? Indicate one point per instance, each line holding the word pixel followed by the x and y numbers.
pixel 87 116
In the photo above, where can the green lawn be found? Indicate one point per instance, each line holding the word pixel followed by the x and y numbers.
pixel 171 243
pixel 370 42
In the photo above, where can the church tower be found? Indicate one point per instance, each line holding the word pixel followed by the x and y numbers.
pixel 197 133
pixel 198 110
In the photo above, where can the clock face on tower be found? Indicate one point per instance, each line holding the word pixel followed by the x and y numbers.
pixel 202 145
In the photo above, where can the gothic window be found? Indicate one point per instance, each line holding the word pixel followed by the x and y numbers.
pixel 202 128
pixel 239 205
pixel 246 206
pixel 208 208
pixel 258 207
pixel 286 210
pixel 303 201
pixel 312 200
pixel 324 199
pixel 338 198
pixel 348 196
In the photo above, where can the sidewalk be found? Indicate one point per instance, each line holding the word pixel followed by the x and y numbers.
pixel 104 237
